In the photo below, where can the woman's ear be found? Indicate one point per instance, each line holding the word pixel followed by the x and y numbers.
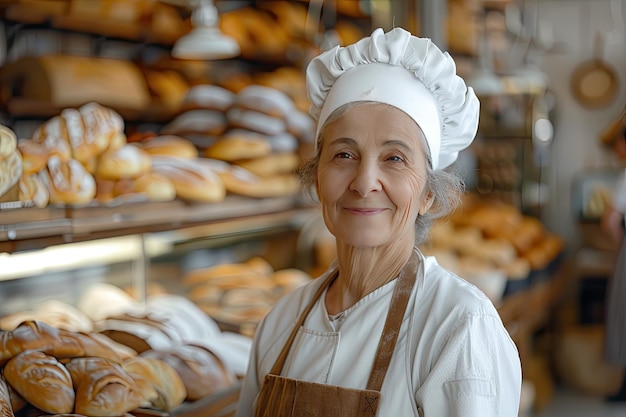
pixel 426 204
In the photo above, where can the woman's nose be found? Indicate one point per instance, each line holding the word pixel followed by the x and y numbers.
pixel 366 178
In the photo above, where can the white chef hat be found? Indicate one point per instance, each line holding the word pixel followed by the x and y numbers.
pixel 407 72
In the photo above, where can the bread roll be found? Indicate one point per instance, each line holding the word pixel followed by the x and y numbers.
pixel 42 381
pixel 96 344
pixel 34 156
pixel 223 270
pixel 68 182
pixel 273 164
pixel 201 372
pixel 170 145
pixel 266 100
pixel 32 189
pixel 10 171
pixel 205 122
pixel 238 145
pixel 129 161
pixel 103 388
pixel 171 391
pixel 8 141
pixel 82 133
pixel 209 97
pixel 255 121
pixel 155 186
pixel 55 313
pixel 242 182
pixel 29 335
pixel 192 179
pixel 6 410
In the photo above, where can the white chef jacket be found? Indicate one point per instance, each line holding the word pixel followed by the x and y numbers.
pixel 453 356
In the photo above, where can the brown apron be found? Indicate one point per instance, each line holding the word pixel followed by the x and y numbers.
pixel 286 397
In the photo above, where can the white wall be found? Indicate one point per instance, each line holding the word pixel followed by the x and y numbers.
pixel 576 147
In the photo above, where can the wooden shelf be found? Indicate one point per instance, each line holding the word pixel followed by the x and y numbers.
pixel 33 228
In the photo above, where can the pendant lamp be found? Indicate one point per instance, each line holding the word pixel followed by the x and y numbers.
pixel 205 41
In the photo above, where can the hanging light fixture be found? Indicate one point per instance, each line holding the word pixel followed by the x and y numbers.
pixel 205 41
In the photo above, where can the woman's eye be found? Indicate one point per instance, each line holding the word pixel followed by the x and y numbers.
pixel 343 155
pixel 396 158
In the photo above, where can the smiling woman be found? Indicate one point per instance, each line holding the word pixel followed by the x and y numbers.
pixel 386 330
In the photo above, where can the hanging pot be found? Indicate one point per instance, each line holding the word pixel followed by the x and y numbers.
pixel 595 83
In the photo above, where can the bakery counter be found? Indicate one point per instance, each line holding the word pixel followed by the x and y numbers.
pixel 33 228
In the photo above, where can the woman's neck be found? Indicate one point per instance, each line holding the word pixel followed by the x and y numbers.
pixel 363 270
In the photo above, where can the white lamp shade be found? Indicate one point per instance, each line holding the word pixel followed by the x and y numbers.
pixel 205 43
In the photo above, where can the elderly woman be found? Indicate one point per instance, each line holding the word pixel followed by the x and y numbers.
pixel 386 331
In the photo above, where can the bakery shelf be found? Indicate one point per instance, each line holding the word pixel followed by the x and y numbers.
pixel 24 14
pixel 30 228
pixel 29 108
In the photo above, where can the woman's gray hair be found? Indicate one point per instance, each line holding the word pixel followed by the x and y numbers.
pixel 445 186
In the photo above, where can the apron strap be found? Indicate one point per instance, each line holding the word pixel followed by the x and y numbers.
pixel 395 316
pixel 280 361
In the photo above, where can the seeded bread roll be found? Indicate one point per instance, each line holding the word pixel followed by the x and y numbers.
pixel 42 381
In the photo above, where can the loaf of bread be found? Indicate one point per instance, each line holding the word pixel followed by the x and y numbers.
pixel 199 121
pixel 239 144
pixel 167 383
pixel 129 161
pixel 8 141
pixel 209 97
pixel 170 145
pixel 6 410
pixel 155 186
pixel 42 381
pixel 32 189
pixel 238 180
pixel 29 335
pixel 276 163
pixel 10 171
pixel 68 182
pixel 82 133
pixel 192 179
pixel 55 313
pixel 202 372
pixel 34 156
pixel 103 388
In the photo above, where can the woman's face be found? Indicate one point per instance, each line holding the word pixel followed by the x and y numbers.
pixel 371 176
